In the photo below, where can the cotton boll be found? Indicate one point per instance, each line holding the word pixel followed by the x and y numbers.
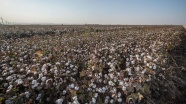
pixel 154 66
pixel 1 79
pixel 111 101
pixel 11 71
pixel 35 85
pixel 34 82
pixel 56 71
pixel 110 57
pixel 40 75
pixel 110 83
pixel 145 61
pixel 21 70
pixel 28 71
pixel 75 102
pixel 57 63
pixel 129 71
pixel 71 85
pixel 67 71
pixel 119 94
pixel 5 74
pixel 39 96
pixel 76 88
pixel 10 68
pixel 94 86
pixel 19 81
pixel 127 64
pixel 67 64
pixel 119 100
pixel 100 80
pixel 106 101
pixel 27 94
pixel 143 72
pixel 96 95
pixel 93 100
pixel 71 66
pixel 115 79
pixel 137 69
pixel 9 78
pixel 149 57
pixel 64 92
pixel 59 101
pixel 133 62
pixel 18 66
pixel 9 88
pixel 124 88
pixel 35 72
pixel 111 76
pixel 8 101
pixel 34 60
pixel 148 64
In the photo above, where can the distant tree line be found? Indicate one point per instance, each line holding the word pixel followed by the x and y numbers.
pixel 4 22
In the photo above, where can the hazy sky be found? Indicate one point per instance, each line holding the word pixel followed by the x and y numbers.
pixel 94 11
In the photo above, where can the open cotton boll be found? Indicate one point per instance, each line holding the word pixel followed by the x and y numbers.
pixel 67 64
pixel 57 63
pixel 148 64
pixel 133 62
pixel 35 85
pixel 129 71
pixel 149 57
pixel 127 64
pixel 121 83
pixel 111 75
pixel 94 86
pixel 34 82
pixel 111 83
pixel 8 101
pixel 119 94
pixel 5 74
pixel 43 78
pixel 40 75
pixel 71 85
pixel 64 92
pixel 19 81
pixel 9 78
pixel 39 96
pixel 59 101
pixel 27 94
pixel 9 88
pixel 119 100
pixel 137 69
pixel 106 101
pixel 21 70
pixel 93 100
pixel 96 95
pixel 28 71
pixel 111 101
pixel 143 72
pixel 56 71
pixel 154 66
pixel 124 88
pixel 76 88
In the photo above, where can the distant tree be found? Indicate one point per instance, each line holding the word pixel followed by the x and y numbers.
pixel 2 21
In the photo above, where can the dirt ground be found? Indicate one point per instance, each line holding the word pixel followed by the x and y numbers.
pixel 178 80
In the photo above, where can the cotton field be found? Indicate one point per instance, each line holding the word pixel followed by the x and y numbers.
pixel 90 64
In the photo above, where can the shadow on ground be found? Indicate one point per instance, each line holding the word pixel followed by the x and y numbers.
pixel 172 89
